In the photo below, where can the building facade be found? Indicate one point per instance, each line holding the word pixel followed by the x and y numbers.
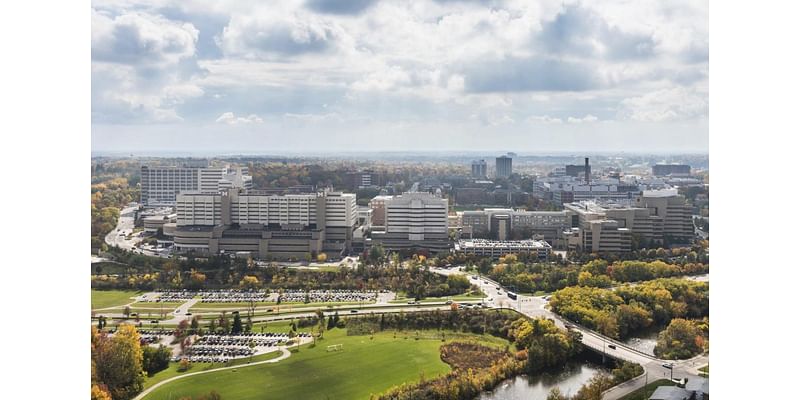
pixel 655 217
pixel 503 168
pixel 497 249
pixel 413 220
pixel 672 169
pixel 479 170
pixel 264 224
pixel 160 185
pixel 503 223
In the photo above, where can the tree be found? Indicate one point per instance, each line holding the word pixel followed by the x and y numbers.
pixel 237 324
pixel 155 359
pixel 127 311
pixel 195 325
pixel 321 323
pixel 249 282
pixel 322 257
pixel 682 339
pixel 118 361
pixel 100 393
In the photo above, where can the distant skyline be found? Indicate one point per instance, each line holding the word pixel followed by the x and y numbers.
pixel 323 76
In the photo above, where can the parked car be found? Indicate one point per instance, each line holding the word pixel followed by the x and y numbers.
pixel 612 346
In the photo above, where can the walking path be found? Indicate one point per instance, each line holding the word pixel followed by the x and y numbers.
pixel 285 355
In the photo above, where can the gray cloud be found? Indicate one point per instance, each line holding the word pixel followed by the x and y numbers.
pixel 141 39
pixel 577 31
pixel 530 74
pixel 340 7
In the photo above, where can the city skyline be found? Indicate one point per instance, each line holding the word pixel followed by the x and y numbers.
pixel 322 76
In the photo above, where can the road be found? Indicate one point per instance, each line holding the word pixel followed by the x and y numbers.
pixel 535 307
pixel 285 354
pixel 124 225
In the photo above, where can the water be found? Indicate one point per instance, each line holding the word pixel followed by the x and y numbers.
pixel 645 342
pixel 524 387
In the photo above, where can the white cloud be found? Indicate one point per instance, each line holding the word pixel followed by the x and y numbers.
pixel 140 68
pixel 544 119
pixel 586 119
pixel 231 119
pixel 513 63
pixel 666 105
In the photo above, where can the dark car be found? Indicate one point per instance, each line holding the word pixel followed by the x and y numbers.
pixel 155 321
pixel 188 313
pixel 353 311
pixel 612 346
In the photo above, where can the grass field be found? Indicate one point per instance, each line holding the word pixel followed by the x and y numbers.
pixel 112 298
pixel 365 366
pixel 645 392
pixel 172 370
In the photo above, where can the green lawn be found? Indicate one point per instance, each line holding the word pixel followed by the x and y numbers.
pixel 111 298
pixel 365 366
pixel 172 370
pixel 644 393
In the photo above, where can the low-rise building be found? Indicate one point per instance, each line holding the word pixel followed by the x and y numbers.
pixel 499 248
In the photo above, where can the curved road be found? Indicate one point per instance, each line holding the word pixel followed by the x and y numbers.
pixel 285 355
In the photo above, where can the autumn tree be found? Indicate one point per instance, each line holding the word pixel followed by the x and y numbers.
pixel 682 339
pixel 118 361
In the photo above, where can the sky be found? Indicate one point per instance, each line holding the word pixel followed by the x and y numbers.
pixel 370 75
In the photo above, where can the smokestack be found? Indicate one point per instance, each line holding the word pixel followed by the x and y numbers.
pixel 586 169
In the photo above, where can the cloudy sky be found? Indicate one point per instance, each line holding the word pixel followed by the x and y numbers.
pixel 365 75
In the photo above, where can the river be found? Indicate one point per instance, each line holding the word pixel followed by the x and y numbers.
pixel 525 387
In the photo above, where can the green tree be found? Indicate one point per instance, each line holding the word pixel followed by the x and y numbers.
pixel 237 324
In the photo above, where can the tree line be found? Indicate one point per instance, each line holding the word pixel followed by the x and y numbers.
pixel 632 308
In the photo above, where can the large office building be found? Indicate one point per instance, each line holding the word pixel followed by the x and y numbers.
pixel 503 167
pixel 655 217
pixel 265 224
pixel 501 223
pixel 498 248
pixel 160 185
pixel 479 169
pixel 412 220
pixel 672 170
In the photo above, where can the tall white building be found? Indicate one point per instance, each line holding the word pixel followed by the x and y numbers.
pixel 414 220
pixel 160 185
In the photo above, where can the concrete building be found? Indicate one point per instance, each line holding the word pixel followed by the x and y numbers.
pixel 362 179
pixel 497 249
pixel 672 169
pixel 503 168
pixel 160 185
pixel 265 224
pixel 502 223
pixel 580 171
pixel 378 207
pixel 672 209
pixel 413 220
pixel 155 222
pixel 479 170
pixel 654 217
